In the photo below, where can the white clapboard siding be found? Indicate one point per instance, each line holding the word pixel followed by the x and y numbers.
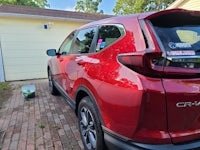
pixel 186 4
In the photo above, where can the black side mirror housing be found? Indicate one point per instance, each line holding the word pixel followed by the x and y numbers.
pixel 51 52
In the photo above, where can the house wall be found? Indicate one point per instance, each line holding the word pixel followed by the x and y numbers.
pixel 24 43
pixel 186 4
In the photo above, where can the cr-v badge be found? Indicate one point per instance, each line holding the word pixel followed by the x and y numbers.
pixel 187 104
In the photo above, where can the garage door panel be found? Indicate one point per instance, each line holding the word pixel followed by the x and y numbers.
pixel 25 61
pixel 26 76
pixel 25 68
pixel 23 72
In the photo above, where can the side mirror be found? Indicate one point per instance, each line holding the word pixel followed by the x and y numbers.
pixel 51 52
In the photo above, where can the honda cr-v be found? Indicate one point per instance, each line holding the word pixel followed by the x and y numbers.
pixel 133 81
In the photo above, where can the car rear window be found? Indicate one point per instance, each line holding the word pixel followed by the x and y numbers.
pixel 179 38
pixel 185 39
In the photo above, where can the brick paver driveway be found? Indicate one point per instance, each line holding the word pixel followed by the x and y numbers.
pixel 43 122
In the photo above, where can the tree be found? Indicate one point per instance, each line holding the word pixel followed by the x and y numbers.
pixel 33 3
pixel 138 6
pixel 89 6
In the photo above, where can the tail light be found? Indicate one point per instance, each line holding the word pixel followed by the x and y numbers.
pixel 148 64
pixel 184 67
pixel 153 64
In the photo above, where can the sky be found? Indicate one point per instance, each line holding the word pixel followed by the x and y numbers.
pixel 105 5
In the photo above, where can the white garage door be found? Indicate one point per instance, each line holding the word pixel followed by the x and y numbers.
pixel 24 45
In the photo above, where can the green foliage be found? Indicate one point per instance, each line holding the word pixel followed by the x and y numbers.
pixel 137 6
pixel 4 86
pixel 33 3
pixel 89 6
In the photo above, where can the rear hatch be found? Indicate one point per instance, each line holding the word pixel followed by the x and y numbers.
pixel 178 35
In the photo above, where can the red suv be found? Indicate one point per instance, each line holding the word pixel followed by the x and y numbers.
pixel 133 81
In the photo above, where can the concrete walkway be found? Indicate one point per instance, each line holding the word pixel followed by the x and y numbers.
pixel 43 122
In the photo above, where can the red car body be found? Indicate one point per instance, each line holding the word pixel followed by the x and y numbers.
pixel 145 95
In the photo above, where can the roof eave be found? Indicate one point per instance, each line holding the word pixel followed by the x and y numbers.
pixel 15 15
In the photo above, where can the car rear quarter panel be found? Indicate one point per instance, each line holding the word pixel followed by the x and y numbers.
pixel 152 126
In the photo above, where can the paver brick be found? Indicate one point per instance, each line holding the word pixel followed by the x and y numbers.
pixel 40 123
pixel 22 145
pixel 13 145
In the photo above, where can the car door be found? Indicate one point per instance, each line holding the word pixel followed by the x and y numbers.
pixel 62 59
pixel 75 63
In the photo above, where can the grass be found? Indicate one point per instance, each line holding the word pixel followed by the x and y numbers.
pixel 4 86
pixel 42 126
pixel 5 92
pixel 57 127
